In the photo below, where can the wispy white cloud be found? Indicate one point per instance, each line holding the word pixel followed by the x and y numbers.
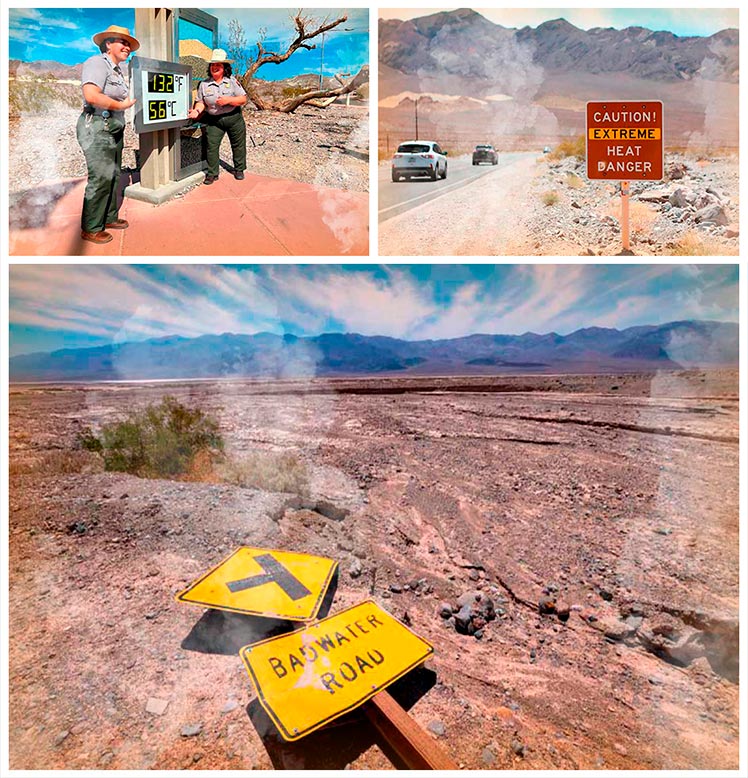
pixel 362 303
pixel 124 302
pixel 40 19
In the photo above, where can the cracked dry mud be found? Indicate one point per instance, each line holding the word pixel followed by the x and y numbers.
pixel 616 495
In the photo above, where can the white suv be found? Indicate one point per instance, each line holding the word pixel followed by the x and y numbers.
pixel 419 158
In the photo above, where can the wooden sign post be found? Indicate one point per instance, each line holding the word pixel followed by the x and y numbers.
pixel 624 143
pixel 418 750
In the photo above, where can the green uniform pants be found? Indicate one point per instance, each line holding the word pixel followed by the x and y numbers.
pixel 102 141
pixel 215 128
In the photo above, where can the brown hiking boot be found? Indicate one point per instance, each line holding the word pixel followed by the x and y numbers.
pixel 96 237
pixel 120 224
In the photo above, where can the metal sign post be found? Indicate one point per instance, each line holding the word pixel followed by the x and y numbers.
pixel 625 216
pixel 624 142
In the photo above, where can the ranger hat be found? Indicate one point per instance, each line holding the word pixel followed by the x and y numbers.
pixel 219 56
pixel 115 31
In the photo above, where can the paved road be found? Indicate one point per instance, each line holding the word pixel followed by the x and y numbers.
pixel 396 198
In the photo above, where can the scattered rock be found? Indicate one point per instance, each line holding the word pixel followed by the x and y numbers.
pixel 229 706
pixel 436 727
pixel 712 214
pixel 488 757
pixel 106 758
pixel 355 568
pixel 445 610
pixel 61 737
pixel 547 604
pixel 191 730
pixel 330 510
pixel 474 611
pixel 563 610
pixel 156 706
pixel 518 747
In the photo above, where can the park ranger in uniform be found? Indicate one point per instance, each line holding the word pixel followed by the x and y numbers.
pixel 100 131
pixel 220 99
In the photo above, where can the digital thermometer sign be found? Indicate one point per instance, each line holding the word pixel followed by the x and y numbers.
pixel 163 94
pixel 161 82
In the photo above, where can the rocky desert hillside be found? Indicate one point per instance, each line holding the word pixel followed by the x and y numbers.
pixel 529 86
pixel 325 146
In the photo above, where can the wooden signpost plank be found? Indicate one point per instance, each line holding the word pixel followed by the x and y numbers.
pixel 417 749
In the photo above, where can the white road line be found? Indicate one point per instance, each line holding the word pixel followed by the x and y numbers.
pixel 443 192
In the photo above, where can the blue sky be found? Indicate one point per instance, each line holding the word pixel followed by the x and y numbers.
pixel 57 306
pixel 681 21
pixel 65 35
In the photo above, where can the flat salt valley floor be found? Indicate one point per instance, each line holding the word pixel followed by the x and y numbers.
pixel 619 491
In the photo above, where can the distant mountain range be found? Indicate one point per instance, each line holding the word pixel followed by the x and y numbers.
pixel 593 350
pixel 502 85
pixel 44 68
pixel 427 43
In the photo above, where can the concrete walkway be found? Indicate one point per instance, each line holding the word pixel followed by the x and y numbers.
pixel 255 217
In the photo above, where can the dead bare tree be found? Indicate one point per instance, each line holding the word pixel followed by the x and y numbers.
pixel 307 28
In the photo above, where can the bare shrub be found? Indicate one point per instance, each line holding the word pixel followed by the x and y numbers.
pixel 573 181
pixel 694 245
pixel 272 472
pixel 571 147
pixel 57 462
pixel 550 197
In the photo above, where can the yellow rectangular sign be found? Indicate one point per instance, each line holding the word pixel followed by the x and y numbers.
pixel 264 582
pixel 625 133
pixel 309 677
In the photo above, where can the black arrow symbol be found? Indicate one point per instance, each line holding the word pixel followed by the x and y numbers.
pixel 274 573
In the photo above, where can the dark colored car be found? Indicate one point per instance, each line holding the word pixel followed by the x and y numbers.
pixel 485 153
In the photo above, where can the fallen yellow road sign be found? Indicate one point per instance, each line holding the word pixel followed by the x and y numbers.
pixel 309 677
pixel 264 582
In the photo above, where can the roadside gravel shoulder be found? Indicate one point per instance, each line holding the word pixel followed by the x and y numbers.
pixel 481 218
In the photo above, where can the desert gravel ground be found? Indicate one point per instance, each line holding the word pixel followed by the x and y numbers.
pixel 610 503
pixel 540 207
pixel 328 147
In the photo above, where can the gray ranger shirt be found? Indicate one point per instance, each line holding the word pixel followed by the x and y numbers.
pixel 100 70
pixel 209 91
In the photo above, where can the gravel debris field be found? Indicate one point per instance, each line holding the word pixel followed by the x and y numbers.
pixel 568 545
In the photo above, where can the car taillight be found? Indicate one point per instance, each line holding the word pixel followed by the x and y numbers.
pixel 428 156
pixel 397 156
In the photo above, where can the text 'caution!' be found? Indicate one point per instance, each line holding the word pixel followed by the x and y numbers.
pixel 264 582
pixel 310 677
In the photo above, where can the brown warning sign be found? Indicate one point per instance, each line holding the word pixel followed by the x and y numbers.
pixel 624 140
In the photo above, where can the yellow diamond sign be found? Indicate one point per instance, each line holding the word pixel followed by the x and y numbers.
pixel 264 582
pixel 310 677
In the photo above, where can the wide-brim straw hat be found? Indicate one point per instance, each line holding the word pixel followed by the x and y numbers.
pixel 115 31
pixel 218 57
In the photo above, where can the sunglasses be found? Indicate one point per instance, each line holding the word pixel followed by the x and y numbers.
pixel 122 41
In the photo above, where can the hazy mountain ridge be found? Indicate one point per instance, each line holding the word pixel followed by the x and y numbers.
pixel 672 345
pixel 43 68
pixel 463 43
